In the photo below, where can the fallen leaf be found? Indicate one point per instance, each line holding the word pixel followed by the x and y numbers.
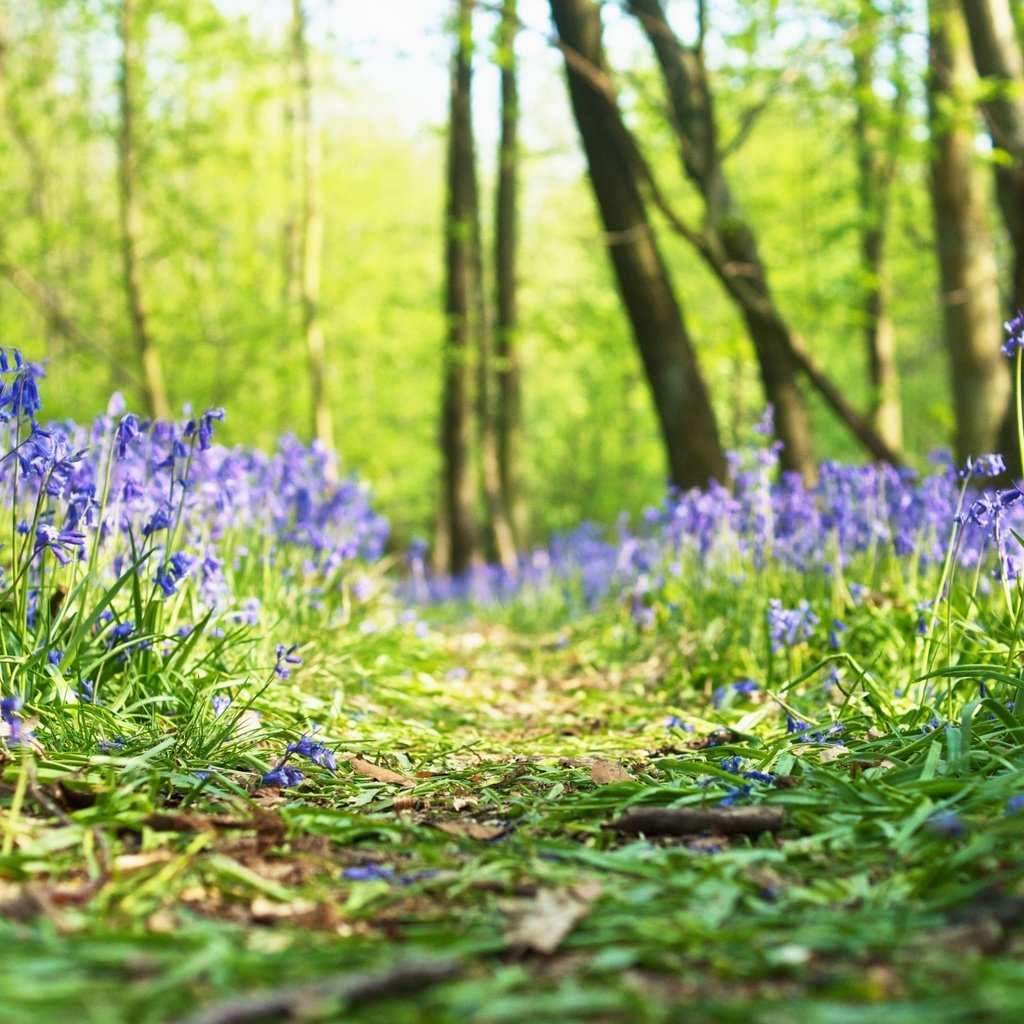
pixel 605 773
pixel 471 829
pixel 542 924
pixel 378 772
pixel 833 753
pixel 136 861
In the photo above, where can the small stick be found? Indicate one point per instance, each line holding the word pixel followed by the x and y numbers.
pixel 688 821
pixel 296 1000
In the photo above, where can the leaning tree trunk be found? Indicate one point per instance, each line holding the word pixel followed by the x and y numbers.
pixel 508 370
pixel 154 394
pixel 457 544
pixel 310 230
pixel 967 262
pixel 681 399
pixel 728 234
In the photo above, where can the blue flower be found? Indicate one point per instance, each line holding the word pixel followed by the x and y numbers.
pixel 15 732
pixel 1015 329
pixel 734 793
pixel 368 873
pixel 316 752
pixel 991 464
pixel 204 427
pixel 127 435
pixel 159 520
pixel 283 775
pixel 220 704
pixel 170 574
pixel 63 543
pixel 19 398
pixel 946 824
pixel 286 657
pixel 1014 804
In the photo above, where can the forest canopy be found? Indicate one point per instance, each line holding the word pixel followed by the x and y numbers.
pixel 209 187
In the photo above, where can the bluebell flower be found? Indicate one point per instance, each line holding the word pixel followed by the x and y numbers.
pixel 1015 329
pixel 368 873
pixel 170 574
pixel 63 543
pixel 47 455
pixel 220 704
pixel 991 464
pixel 316 752
pixel 947 824
pixel 117 743
pixel 731 764
pixel 789 626
pixel 16 732
pixel 794 725
pixel 283 775
pixel 733 794
pixel 1015 804
pixel 204 427
pixel 161 519
pixel 9 706
pixel 127 435
pixel 19 397
pixel 286 657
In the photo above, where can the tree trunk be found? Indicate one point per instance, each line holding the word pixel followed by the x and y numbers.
pixel 967 262
pixel 310 230
pixel 457 546
pixel 876 150
pixel 509 416
pixel 688 426
pixel 996 47
pixel 154 394
pixel 728 233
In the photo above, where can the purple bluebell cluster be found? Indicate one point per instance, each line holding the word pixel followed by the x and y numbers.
pixel 154 514
pixel 165 487
pixel 875 513
pixel 285 775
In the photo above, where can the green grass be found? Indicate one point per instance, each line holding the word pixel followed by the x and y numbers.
pixel 130 891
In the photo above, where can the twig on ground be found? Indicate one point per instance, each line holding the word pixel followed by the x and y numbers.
pixel 687 821
pixel 300 1001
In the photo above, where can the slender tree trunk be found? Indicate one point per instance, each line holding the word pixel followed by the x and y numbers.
pixel 996 46
pixel 967 263
pixel 727 231
pixel 154 394
pixel 458 540
pixel 506 245
pixel 681 399
pixel 498 524
pixel 311 231
pixel 876 150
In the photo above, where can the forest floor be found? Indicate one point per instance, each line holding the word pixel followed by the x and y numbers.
pixel 459 866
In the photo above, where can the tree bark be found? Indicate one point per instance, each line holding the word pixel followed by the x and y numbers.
pixel 508 369
pixel 966 249
pixel 876 149
pixel 727 231
pixel 681 400
pixel 154 394
pixel 457 545
pixel 310 230
pixel 996 47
